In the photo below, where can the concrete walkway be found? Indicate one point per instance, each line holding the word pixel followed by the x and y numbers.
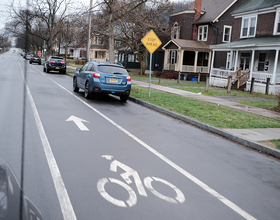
pixel 251 134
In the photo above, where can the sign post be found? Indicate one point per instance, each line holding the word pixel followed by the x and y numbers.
pixel 151 42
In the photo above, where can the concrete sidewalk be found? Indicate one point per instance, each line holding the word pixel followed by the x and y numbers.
pixel 250 134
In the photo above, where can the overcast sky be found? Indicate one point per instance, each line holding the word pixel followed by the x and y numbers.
pixel 3 13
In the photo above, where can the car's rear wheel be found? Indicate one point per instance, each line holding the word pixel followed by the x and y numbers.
pixel 124 98
pixel 87 91
pixel 47 70
pixel 75 88
pixel 44 69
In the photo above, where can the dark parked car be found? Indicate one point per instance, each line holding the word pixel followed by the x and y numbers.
pixel 108 78
pixel 56 64
pixel 35 59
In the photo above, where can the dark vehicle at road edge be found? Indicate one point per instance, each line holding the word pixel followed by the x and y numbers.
pixel 103 78
pixel 35 59
pixel 54 63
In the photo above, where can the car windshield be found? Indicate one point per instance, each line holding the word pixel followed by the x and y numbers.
pixel 112 70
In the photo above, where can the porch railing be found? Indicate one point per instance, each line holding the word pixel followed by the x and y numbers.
pixel 242 79
pixel 222 73
pixel 201 69
pixel 170 66
pixel 261 77
pixel 186 68
pixel 234 76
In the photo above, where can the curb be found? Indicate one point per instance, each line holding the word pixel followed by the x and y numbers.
pixel 245 142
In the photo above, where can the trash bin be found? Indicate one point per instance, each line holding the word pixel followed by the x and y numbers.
pixel 182 76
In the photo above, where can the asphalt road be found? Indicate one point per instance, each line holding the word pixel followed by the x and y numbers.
pixel 124 161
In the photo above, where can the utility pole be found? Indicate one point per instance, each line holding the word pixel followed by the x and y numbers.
pixel 89 30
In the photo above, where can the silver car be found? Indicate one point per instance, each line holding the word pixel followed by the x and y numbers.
pixel 28 56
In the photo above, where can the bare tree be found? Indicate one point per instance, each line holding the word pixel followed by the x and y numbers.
pixel 114 10
pixel 46 19
pixel 134 25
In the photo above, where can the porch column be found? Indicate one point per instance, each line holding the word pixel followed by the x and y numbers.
pixel 252 64
pixel 181 60
pixel 275 67
pixel 236 59
pixel 195 61
pixel 166 52
pixel 209 58
pixel 212 61
pixel 231 59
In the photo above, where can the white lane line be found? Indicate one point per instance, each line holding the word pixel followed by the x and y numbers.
pixel 214 193
pixel 63 198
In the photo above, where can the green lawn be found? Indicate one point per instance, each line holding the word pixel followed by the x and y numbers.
pixel 209 113
pixel 261 104
pixel 70 71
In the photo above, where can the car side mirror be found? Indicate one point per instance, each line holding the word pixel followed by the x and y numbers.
pixel 78 69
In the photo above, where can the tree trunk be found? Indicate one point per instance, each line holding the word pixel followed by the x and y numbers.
pixel 111 39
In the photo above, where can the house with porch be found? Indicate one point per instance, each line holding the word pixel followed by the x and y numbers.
pixel 253 54
pixel 209 22
pixel 98 49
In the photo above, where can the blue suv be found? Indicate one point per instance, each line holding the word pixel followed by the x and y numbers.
pixel 108 78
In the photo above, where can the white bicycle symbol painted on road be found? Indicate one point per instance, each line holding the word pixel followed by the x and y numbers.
pixel 129 172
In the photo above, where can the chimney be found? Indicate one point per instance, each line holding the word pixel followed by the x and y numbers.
pixel 197 7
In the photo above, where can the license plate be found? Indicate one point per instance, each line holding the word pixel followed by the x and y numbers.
pixel 114 80
pixel 57 68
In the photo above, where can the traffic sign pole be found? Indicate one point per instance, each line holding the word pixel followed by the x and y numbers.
pixel 151 55
pixel 151 42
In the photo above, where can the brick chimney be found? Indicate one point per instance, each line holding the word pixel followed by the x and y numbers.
pixel 197 7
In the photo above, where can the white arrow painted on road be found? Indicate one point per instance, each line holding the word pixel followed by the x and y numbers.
pixel 78 122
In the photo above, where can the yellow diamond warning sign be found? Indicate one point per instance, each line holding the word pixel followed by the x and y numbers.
pixel 151 41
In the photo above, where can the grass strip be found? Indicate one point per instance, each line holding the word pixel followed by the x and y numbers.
pixel 209 113
pixel 276 142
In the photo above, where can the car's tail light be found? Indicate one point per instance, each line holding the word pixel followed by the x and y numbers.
pixel 51 61
pixel 128 78
pixel 32 58
pixel 62 62
pixel 96 75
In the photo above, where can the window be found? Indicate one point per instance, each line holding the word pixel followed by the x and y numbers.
pixel 277 23
pixel 173 57
pixel 95 54
pixel 130 58
pixel 175 33
pixel 227 33
pixel 248 27
pixel 202 33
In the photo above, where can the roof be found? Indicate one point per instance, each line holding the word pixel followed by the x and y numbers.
pixel 256 5
pixel 188 44
pixel 249 43
pixel 214 9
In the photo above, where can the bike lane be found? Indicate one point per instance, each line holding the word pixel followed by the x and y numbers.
pixel 79 156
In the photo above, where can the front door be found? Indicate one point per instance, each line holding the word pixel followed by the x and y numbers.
pixel 244 61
